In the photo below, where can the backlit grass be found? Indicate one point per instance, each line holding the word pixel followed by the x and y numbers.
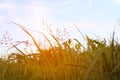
pixel 67 61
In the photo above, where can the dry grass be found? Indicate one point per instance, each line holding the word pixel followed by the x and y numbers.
pixel 66 61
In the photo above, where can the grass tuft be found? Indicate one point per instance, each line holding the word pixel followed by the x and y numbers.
pixel 69 60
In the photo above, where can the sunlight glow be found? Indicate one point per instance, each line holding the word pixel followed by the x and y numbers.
pixel 118 2
pixel 37 13
pixel 30 14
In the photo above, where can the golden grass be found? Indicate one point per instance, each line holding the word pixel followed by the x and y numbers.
pixel 66 61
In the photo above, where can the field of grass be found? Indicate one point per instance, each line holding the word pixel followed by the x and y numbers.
pixel 69 60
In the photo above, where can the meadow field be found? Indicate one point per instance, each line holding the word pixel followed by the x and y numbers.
pixel 67 60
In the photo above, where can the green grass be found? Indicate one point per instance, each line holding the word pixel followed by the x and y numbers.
pixel 66 61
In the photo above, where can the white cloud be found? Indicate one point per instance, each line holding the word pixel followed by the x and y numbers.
pixel 6 6
pixel 30 14
pixel 36 13
pixel 87 25
pixel 2 18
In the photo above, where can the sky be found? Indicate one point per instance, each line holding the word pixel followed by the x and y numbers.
pixel 92 17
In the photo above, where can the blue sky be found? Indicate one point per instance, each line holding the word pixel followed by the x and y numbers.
pixel 97 17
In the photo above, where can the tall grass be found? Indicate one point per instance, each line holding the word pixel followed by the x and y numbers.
pixel 67 61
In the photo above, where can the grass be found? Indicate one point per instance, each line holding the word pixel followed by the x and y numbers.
pixel 67 61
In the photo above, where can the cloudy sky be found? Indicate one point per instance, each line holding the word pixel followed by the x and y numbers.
pixel 93 17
